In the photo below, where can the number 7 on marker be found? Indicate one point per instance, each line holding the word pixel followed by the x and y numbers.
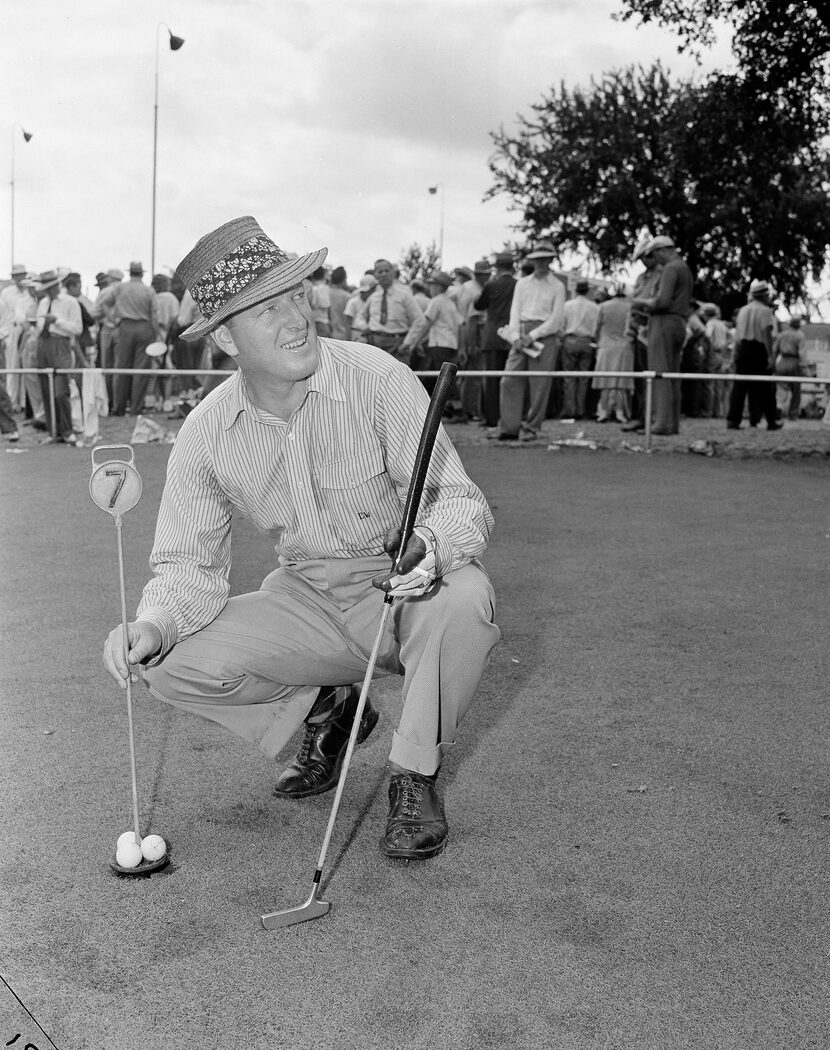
pixel 121 474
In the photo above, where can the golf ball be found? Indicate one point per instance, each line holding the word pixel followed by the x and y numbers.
pixel 153 847
pixel 128 836
pixel 128 855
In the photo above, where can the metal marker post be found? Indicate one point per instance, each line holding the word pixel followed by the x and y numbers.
pixel 115 486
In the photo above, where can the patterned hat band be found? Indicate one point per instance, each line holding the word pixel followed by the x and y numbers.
pixel 240 268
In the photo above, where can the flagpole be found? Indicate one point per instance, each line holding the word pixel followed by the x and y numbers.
pixel 441 229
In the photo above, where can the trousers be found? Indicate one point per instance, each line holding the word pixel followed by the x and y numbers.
pixel 257 668
pixel 666 334
pixel 751 358
pixel 577 356
pixel 513 387
pixel 133 339
pixel 55 351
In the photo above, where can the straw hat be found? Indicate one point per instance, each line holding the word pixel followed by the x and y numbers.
pixel 759 288
pixel 48 279
pixel 235 267
pixel 543 250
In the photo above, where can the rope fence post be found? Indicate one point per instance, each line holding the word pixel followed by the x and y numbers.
pixel 53 426
pixel 650 377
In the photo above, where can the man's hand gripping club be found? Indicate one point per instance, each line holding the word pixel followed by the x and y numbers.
pixel 413 573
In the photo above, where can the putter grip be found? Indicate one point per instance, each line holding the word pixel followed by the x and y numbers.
pixel 441 392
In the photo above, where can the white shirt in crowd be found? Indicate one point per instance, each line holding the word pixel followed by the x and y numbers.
pixel 538 299
pixel 581 316
pixel 66 311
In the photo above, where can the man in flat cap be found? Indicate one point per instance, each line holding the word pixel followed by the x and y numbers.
pixel 313 440
pixel 755 331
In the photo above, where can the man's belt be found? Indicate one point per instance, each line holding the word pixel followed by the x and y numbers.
pixel 388 335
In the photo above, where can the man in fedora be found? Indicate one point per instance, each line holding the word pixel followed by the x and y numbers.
pixel 755 331
pixel 313 440
pixel 495 300
pixel 537 313
pixel 440 323
pixel 103 310
pixel 58 323
pixel 137 318
pixel 578 349
pixel 389 313
pixel 17 303
pixel 669 310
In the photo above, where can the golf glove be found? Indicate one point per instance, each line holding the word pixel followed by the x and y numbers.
pixel 418 573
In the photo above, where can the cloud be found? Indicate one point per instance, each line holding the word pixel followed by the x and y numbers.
pixel 327 120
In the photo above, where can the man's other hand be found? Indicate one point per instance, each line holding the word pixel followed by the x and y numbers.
pixel 144 641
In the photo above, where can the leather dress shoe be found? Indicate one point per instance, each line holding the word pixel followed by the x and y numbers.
pixel 633 424
pixel 317 764
pixel 416 827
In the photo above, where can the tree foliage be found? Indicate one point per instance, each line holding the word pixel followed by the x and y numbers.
pixel 417 262
pixel 781 46
pixel 725 174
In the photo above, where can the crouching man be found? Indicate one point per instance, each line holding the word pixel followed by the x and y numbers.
pixel 315 441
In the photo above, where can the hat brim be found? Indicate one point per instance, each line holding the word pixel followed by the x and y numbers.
pixel 49 284
pixel 274 282
pixel 541 255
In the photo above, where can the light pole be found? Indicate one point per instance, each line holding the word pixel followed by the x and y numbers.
pixel 26 137
pixel 435 189
pixel 175 43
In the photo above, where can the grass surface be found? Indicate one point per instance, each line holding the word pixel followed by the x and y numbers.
pixel 638 801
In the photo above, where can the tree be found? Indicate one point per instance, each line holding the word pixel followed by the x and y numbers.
pixel 417 262
pixel 781 46
pixel 727 176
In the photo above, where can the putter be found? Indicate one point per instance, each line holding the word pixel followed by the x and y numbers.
pixel 314 908
pixel 115 486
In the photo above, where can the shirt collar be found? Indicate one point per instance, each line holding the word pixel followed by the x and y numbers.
pixel 325 381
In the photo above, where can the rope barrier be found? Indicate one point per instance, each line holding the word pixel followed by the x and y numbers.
pixel 648 377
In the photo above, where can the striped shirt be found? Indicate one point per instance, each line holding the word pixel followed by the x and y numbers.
pixel 328 483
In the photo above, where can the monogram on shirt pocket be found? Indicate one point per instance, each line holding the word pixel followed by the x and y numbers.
pixel 355 488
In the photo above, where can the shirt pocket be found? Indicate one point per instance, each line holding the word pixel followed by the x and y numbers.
pixel 357 493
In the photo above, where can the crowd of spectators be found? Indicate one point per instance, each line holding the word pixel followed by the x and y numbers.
pixel 503 314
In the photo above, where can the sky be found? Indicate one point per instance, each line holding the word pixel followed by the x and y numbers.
pixel 327 121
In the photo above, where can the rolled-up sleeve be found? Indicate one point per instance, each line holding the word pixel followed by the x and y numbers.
pixel 191 554
pixel 452 506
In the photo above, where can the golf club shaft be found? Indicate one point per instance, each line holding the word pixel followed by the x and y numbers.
pixel 361 704
pixel 126 641
pixel 432 421
pixel 437 403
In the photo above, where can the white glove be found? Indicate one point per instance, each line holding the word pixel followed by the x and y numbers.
pixel 419 568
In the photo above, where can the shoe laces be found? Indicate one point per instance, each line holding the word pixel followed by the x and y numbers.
pixel 413 794
pixel 305 747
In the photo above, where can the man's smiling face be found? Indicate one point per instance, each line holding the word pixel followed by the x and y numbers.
pixel 277 337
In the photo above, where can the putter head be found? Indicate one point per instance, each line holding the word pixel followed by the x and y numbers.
pixel 312 909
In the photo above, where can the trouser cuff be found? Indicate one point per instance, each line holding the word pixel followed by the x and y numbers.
pixel 423 760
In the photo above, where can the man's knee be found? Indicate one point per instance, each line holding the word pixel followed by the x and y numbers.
pixel 459 600
pixel 188 674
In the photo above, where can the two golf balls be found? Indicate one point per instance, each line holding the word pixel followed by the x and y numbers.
pixel 129 853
